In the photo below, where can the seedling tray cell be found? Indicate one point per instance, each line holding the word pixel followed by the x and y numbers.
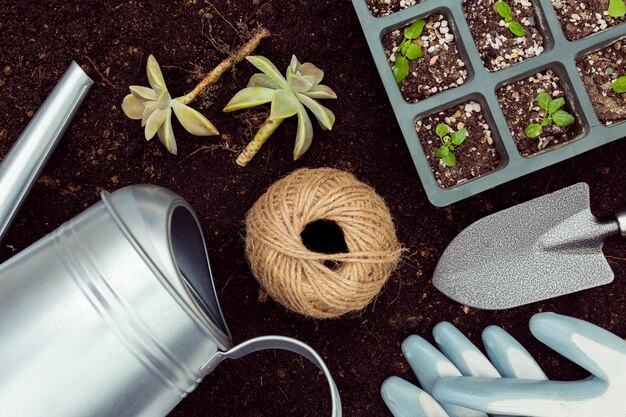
pixel 481 85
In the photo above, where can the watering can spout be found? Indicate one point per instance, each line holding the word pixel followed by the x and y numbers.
pixel 22 165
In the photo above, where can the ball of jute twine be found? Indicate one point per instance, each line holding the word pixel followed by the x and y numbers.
pixel 298 278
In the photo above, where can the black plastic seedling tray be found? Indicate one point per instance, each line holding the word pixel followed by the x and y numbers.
pixel 559 55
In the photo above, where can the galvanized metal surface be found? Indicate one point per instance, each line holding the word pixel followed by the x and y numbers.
pixel 115 313
pixel 21 167
pixel 544 248
pixel 559 55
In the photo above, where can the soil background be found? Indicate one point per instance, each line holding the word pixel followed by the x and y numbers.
pixel 105 150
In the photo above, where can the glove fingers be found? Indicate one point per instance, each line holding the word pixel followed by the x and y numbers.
pixel 406 400
pixel 509 357
pixel 465 356
pixel 593 348
pixel 429 365
pixel 518 397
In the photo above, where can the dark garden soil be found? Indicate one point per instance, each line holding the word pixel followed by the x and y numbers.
pixel 599 70
pixel 103 149
pixel 580 19
pixel 498 47
pixel 380 8
pixel 476 156
pixel 519 104
pixel 441 66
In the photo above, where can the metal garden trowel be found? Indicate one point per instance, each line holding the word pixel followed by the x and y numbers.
pixel 544 248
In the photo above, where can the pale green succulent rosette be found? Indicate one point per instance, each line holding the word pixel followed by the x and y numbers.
pixel 154 106
pixel 289 96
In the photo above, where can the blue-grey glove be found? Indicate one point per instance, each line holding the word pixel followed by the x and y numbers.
pixel 598 351
pixel 456 356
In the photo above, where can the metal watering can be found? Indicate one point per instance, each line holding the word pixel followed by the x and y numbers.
pixel 115 312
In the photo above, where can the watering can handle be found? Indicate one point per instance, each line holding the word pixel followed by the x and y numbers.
pixel 282 343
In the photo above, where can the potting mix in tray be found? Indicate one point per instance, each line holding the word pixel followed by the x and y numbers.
pixel 237 162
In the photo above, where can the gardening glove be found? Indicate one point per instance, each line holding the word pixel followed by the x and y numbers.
pixel 596 350
pixel 456 356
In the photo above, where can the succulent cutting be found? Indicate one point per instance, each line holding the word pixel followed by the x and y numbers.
pixel 289 96
pixel 154 105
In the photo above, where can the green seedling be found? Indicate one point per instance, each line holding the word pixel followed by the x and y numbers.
pixel 449 141
pixel 409 50
pixel 619 86
pixel 505 11
pixel 289 96
pixel 617 8
pixel 554 114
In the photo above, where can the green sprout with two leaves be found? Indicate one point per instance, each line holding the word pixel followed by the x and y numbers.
pixel 409 50
pixel 619 86
pixel 504 10
pixel 449 141
pixel 553 114
pixel 289 96
pixel 617 8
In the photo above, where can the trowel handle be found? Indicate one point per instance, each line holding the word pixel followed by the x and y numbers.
pixel 620 215
pixel 282 343
pixel 22 165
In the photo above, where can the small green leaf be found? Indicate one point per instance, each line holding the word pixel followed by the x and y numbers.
pixel 416 28
pixel 619 86
pixel 459 136
pixel 401 68
pixel 544 100
pixel 555 105
pixel 516 28
pixel 547 121
pixel 250 97
pixel 404 46
pixel 442 151
pixel 449 160
pixel 617 8
pixel 414 51
pixel 284 104
pixel 269 69
pixel 133 107
pixel 563 118
pixel 503 9
pixel 442 130
pixel 533 130
pixel 304 137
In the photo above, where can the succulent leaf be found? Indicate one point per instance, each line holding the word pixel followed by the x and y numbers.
pixel 324 116
pixel 250 97
pixel 297 83
pixel 143 93
pixel 166 133
pixel 320 92
pixel 192 120
pixel 164 99
pixel 304 137
pixel 155 76
pixel 262 80
pixel 266 67
pixel 154 122
pixel 310 70
pixel 132 107
pixel 149 108
pixel 285 104
pixel 295 64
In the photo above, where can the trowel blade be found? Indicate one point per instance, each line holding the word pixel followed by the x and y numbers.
pixel 544 248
